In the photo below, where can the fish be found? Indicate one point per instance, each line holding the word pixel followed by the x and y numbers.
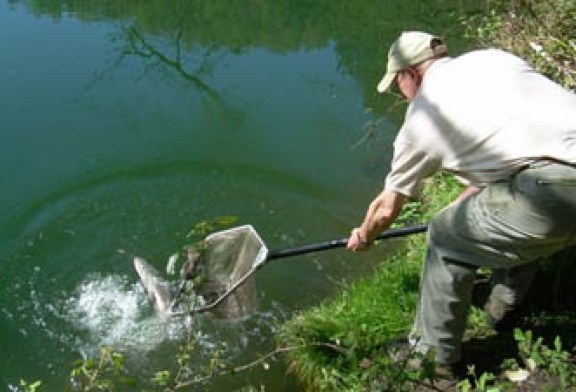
pixel 159 290
pixel 169 297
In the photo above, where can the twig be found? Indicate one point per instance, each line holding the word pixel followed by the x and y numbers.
pixel 250 365
pixel 237 369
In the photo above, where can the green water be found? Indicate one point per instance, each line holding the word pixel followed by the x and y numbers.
pixel 123 124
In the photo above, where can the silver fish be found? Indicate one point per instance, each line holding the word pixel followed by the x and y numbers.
pixel 158 290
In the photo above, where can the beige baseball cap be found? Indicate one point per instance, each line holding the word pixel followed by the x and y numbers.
pixel 411 48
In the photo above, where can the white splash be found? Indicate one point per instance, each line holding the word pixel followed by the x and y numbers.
pixel 116 313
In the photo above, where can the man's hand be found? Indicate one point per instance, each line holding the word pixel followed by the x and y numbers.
pixel 357 241
pixel 380 215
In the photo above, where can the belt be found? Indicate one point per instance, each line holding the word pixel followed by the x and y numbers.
pixel 547 161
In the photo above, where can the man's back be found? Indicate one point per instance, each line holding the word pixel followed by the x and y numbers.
pixel 486 113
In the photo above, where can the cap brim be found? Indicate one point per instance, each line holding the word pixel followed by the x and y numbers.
pixel 386 82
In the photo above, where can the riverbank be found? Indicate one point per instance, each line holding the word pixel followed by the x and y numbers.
pixel 341 345
pixel 338 345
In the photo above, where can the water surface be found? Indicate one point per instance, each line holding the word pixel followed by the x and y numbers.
pixel 123 125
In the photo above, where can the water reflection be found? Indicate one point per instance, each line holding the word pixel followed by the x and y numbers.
pixel 156 58
pixel 359 29
pixel 194 109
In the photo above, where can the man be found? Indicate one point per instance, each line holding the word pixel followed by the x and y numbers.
pixel 510 134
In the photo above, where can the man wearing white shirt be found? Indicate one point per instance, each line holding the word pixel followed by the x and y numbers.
pixel 509 133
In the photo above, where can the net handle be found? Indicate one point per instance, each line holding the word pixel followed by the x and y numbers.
pixel 340 243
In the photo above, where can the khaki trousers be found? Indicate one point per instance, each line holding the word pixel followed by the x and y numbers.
pixel 507 226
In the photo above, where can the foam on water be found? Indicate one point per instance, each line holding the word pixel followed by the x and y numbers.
pixel 114 312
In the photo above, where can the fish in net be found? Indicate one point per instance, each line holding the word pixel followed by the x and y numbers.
pixel 217 276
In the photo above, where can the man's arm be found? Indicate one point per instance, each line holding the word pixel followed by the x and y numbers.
pixel 380 215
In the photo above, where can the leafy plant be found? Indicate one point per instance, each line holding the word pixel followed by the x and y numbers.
pixel 542 32
pixel 205 227
pixel 479 383
pixel 101 374
pixel 555 362
pixel 30 387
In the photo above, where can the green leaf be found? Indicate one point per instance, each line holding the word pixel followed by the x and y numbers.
pixel 558 343
pixel 161 378
pixel 226 220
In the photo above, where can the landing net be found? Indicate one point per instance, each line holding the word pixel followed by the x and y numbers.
pixel 230 259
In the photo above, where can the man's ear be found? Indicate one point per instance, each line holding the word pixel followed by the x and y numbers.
pixel 435 42
pixel 413 71
pixel 416 74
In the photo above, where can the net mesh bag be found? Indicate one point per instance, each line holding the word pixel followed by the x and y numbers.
pixel 230 259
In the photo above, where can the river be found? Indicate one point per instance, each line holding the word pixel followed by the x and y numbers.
pixel 126 123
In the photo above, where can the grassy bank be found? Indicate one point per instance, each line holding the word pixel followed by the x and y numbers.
pixel 341 345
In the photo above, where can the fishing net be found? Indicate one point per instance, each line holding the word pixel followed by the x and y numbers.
pixel 218 279
pixel 229 260
pixel 221 269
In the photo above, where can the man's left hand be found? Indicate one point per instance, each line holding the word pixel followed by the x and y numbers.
pixel 357 242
